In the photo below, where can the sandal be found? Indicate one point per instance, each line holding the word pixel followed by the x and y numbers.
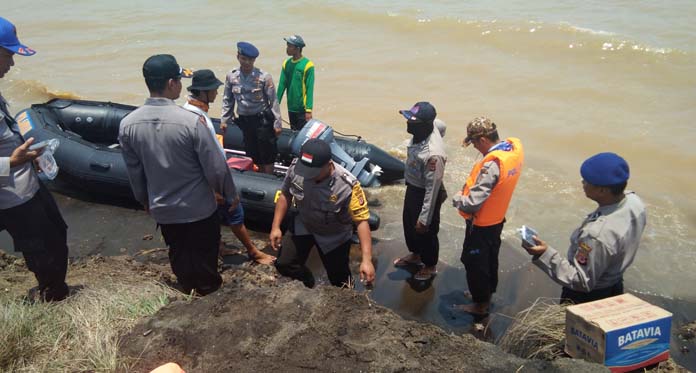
pixel 403 262
pixel 425 274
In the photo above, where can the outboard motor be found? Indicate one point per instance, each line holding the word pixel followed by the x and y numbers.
pixel 315 129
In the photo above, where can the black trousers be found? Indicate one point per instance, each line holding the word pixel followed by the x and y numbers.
pixel 291 261
pixel 427 244
pixel 297 120
pixel 577 297
pixel 193 253
pixel 40 233
pixel 480 258
pixel 260 142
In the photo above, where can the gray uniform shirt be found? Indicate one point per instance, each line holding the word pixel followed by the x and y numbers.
pixel 17 184
pixel 425 167
pixel 485 182
pixel 323 207
pixel 174 164
pixel 600 249
pixel 252 94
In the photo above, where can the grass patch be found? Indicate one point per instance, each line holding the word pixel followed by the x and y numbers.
pixel 538 332
pixel 77 335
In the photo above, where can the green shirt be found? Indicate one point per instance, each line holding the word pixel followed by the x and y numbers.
pixel 298 78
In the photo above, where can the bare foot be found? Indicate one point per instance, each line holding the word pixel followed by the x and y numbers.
pixel 425 273
pixel 479 309
pixel 262 258
pixel 408 260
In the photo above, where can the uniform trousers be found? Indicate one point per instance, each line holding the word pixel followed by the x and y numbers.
pixel 425 244
pixel 576 297
pixel 260 142
pixel 297 120
pixel 480 258
pixel 291 261
pixel 193 253
pixel 40 233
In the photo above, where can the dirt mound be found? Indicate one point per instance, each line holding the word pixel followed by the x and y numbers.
pixel 246 327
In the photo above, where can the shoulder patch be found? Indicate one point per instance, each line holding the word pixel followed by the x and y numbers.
pixel 583 253
pixel 432 164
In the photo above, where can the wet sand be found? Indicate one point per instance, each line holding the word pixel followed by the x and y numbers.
pixel 109 227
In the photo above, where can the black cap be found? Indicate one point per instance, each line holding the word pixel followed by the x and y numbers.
pixel 421 111
pixel 204 80
pixel 164 66
pixel 314 155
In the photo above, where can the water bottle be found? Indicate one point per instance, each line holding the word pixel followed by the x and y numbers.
pixel 46 162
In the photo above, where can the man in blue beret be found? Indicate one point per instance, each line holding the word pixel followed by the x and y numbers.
pixel 606 242
pixel 253 93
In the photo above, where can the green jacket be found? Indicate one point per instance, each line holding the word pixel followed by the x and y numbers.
pixel 298 78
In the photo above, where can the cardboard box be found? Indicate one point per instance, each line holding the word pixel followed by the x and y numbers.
pixel 623 332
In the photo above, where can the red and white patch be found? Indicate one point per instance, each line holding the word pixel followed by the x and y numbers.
pixel 307 158
pixel 316 129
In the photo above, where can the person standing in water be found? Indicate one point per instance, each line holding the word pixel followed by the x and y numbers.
pixel 297 77
pixel 253 93
pixel 204 90
pixel 483 203
pixel 27 209
pixel 425 193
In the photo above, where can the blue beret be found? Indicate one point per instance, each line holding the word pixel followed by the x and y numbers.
pixel 604 169
pixel 247 49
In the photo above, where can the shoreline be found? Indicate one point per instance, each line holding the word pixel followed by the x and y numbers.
pixel 258 312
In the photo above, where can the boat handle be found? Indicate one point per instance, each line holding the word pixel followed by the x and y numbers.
pixel 254 194
pixel 100 166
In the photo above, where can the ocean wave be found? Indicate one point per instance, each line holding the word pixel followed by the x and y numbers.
pixel 507 34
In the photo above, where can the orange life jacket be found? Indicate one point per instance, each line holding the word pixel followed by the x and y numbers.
pixel 494 208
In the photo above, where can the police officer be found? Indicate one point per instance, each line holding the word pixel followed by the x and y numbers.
pixel 329 202
pixel 606 242
pixel 483 202
pixel 254 94
pixel 27 209
pixel 175 168
pixel 425 167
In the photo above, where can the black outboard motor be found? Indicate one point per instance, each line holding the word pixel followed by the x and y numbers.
pixel 315 129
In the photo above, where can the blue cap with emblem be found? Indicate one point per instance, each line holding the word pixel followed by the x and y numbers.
pixel 9 40
pixel 605 169
pixel 247 49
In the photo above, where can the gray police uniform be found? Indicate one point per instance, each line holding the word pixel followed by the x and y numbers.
pixel 30 215
pixel 601 249
pixel 175 168
pixel 323 218
pixel 425 193
pixel 258 109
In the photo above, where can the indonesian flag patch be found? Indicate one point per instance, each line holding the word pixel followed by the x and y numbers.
pixel 307 158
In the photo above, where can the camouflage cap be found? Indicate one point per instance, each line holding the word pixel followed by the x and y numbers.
pixel 479 127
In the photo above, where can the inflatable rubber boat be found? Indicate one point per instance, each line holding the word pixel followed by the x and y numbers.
pixel 89 156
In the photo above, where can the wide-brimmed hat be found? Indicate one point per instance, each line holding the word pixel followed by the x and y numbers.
pixel 204 80
pixel 9 40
